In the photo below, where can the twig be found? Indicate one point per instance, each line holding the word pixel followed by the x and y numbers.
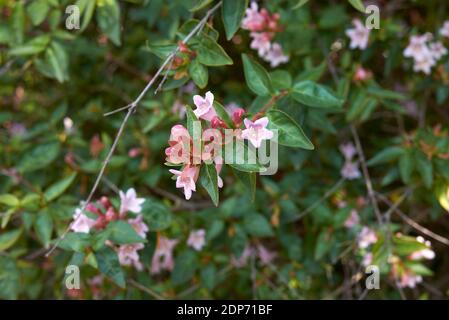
pixel 328 193
pixel 414 224
pixel 369 184
pixel 268 105
pixel 145 289
pixel 132 108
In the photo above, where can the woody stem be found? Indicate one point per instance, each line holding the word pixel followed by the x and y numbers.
pixel 269 104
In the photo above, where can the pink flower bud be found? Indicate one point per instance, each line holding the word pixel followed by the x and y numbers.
pixel 134 152
pixel 237 116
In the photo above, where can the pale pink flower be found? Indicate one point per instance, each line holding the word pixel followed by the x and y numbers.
pixel 444 31
pixel 417 48
pixel 178 108
pixel 275 56
pixel 163 255
pixel 232 107
pixel 261 42
pixel 128 256
pixel 243 259
pixel 437 50
pixel 130 202
pixel 197 239
pixel 138 225
pixel 424 65
pixel 350 170
pixel 256 131
pixel 361 74
pixel 179 149
pixel 366 237
pixel 186 179
pixel 409 279
pixel 427 253
pixel 352 220
pixel 253 20
pixel 218 165
pixel 367 259
pixel 265 256
pixel 82 223
pixel 204 106
pixel 16 129
pixel 348 150
pixel 68 125
pixel 359 35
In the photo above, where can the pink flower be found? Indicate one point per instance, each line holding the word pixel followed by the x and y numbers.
pixel 444 31
pixel 243 260
pixel 163 255
pixel 128 256
pixel 417 48
pixel 186 179
pixel 138 225
pixel 130 202
pixel 261 42
pixel 197 239
pixel 437 50
pixel 348 150
pixel 265 256
pixel 179 109
pixel 352 220
pixel 350 170
pixel 82 223
pixel 359 35
pixel 424 65
pixel 361 74
pixel 424 253
pixel 256 131
pixel 179 141
pixel 275 56
pixel 409 279
pixel 204 106
pixel 366 237
pixel 367 259
pixel 253 20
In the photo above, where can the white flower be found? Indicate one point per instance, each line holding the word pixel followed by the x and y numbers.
pixel 366 237
pixel 350 170
pixel 359 35
pixel 437 50
pixel 81 223
pixel 204 106
pixel 130 202
pixel 275 55
pixel 427 253
pixel 256 131
pixel 444 31
pixel 138 225
pixel 261 42
pixel 424 65
pixel 128 256
pixel 348 150
pixel 197 239
pixel 417 48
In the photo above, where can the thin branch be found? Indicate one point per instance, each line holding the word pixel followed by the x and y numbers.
pixel 369 184
pixel 147 290
pixel 131 110
pixel 414 224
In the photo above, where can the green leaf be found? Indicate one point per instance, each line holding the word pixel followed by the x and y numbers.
pixel 358 4
pixel 109 265
pixel 18 22
pixel 249 181
pixel 209 276
pixel 162 50
pixel 198 73
pixel 157 216
pixel 200 4
pixel 9 278
pixel 425 168
pixel 59 187
pixel 216 227
pixel 43 225
pixel 256 77
pixel 208 179
pixel 210 53
pixel 290 133
pixel 386 155
pixel 418 268
pixel 257 225
pixel 405 245
pixel 232 13
pixel 75 241
pixel 37 11
pixel 108 19
pixel 185 266
pixel 34 46
pixel 9 200
pixel 323 244
pixel 281 79
pixel 223 114
pixel 314 95
pixel 121 232
pixel 8 239
pixel 39 158
pixel 87 8
pixel 406 166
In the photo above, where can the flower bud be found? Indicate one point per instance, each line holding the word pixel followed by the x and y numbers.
pixel 237 116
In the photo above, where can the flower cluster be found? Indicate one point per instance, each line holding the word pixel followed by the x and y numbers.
pixel 350 169
pixel 264 255
pixel 183 150
pixel 264 27
pixel 103 212
pixel 424 52
pixel 359 35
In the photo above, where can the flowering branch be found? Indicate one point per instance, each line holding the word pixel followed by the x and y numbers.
pixel 132 109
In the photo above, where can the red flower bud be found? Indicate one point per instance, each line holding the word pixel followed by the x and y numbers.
pixel 237 116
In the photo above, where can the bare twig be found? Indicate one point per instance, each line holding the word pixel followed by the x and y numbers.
pixel 147 290
pixel 131 109
pixel 369 184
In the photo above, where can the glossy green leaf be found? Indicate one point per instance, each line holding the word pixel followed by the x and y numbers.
pixel 109 265
pixel 232 13
pixel 256 77
pixel 314 95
